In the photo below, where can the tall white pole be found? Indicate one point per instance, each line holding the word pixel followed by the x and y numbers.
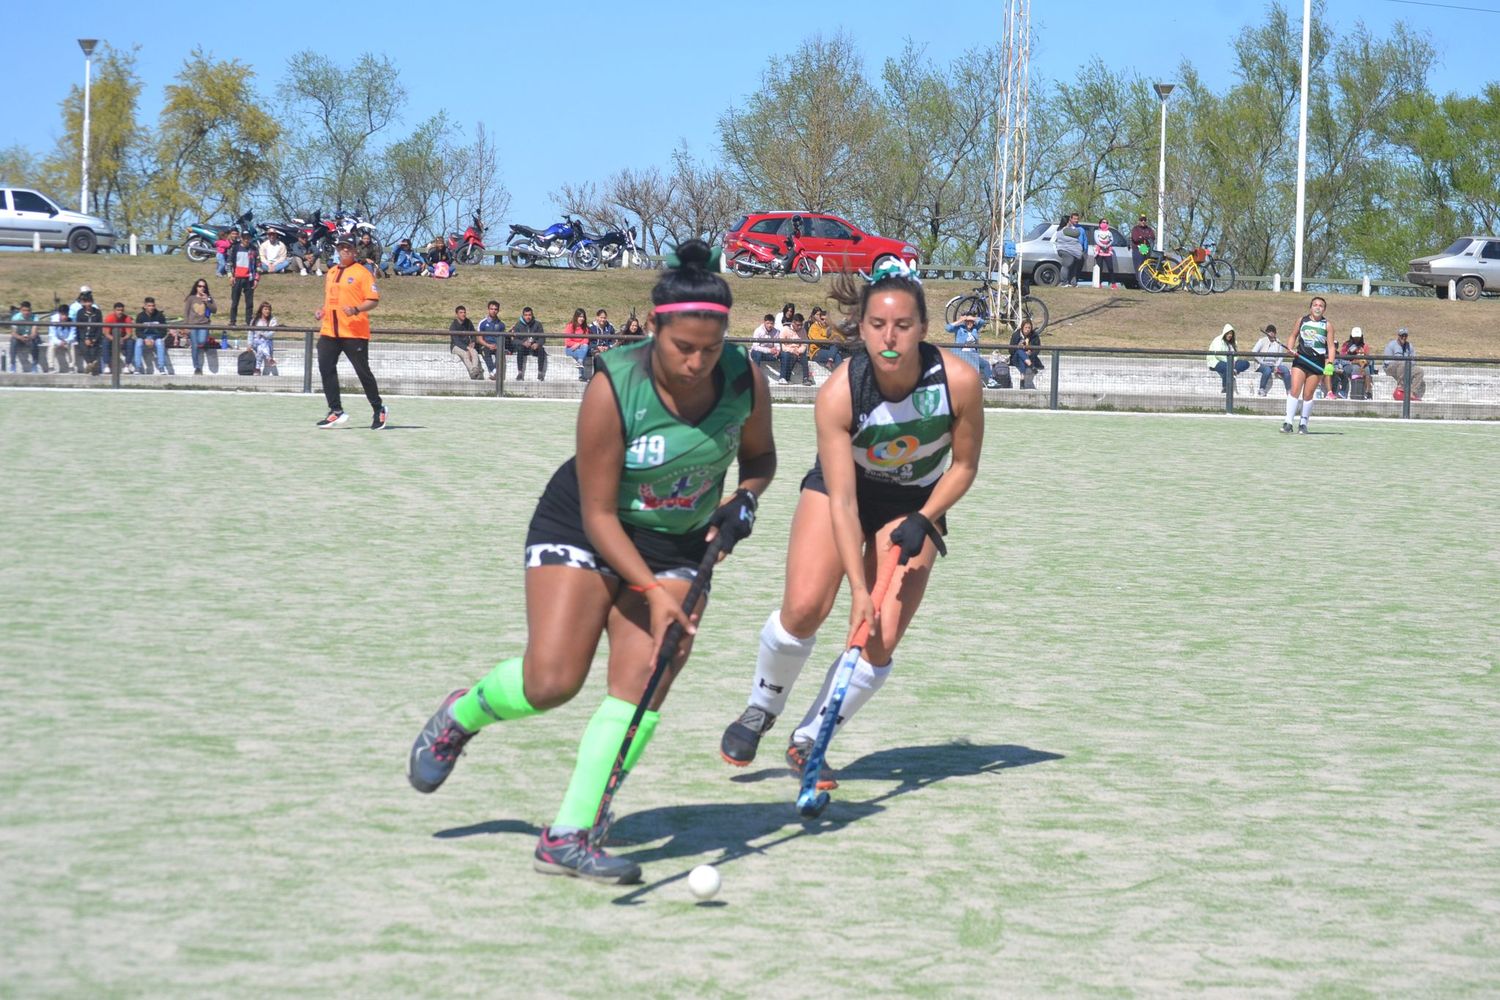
pixel 1302 151
pixel 1161 180
pixel 83 193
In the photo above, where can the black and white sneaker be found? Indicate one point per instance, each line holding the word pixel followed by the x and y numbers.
pixel 1286 427
pixel 334 418
pixel 1302 427
pixel 574 855
pixel 742 738
pixel 437 748
pixel 378 424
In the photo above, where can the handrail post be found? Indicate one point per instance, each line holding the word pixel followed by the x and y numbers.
pixel 1406 390
pixel 1052 395
pixel 114 363
pixel 500 362
pixel 1229 382
pixel 307 360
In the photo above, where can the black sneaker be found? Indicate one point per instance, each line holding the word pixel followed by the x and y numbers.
pixel 573 855
pixel 1302 428
pixel 796 760
pixel 378 424
pixel 437 748
pixel 334 418
pixel 738 744
pixel 1286 427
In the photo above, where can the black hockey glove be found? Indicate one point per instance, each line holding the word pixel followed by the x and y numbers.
pixel 734 519
pixel 912 533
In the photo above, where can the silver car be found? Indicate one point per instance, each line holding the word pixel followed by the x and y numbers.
pixel 24 212
pixel 1041 264
pixel 1472 263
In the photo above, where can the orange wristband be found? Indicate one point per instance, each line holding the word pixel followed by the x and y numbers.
pixel 641 590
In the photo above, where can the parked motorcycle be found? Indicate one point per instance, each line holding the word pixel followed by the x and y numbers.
pixel 527 245
pixel 754 257
pixel 471 244
pixel 591 252
pixel 201 237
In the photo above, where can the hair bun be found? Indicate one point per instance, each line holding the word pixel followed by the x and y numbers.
pixel 693 255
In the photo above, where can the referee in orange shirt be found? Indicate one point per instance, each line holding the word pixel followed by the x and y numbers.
pixel 349 293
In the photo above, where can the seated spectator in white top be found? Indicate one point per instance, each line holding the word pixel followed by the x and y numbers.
pixel 273 256
pixel 766 350
pixel 1271 367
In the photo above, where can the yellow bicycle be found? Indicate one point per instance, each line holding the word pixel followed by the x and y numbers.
pixel 1157 274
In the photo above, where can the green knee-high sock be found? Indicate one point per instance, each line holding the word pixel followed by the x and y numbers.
pixel 501 695
pixel 596 758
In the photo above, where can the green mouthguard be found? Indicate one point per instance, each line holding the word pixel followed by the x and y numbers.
pixel 890 354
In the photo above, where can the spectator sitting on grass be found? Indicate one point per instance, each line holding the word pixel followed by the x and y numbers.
pixel 1221 358
pixel 461 342
pixel 406 260
pixel 273 254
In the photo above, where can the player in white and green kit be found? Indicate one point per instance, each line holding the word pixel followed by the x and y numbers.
pixel 899 433
pixel 1312 362
pixel 615 542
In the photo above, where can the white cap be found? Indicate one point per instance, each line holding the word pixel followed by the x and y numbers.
pixel 1355 333
pixel 85 290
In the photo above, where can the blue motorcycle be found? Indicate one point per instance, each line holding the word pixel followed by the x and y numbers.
pixel 527 245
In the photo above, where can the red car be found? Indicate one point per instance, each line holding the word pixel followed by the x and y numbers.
pixel 841 244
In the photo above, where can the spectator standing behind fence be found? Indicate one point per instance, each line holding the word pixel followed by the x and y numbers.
pixel 1354 364
pixel 794 351
pixel 1070 249
pixel 1025 353
pixel 151 333
pixel 576 343
pixel 88 320
pixel 117 327
pixel 1104 253
pixel 1221 358
pixel 461 342
pixel 61 340
pixel 197 311
pixel 526 335
pixel 263 340
pixel 1398 355
pixel 1271 367
pixel 1142 237
pixel 349 293
pixel 244 266
pixel 965 338
pixel 490 342
pixel 273 254
pixel 23 340
pixel 766 349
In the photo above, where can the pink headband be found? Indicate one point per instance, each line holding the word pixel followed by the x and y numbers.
pixel 677 307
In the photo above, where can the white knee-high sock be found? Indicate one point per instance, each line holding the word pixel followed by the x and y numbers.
pixel 866 681
pixel 1306 409
pixel 778 664
pixel 1292 403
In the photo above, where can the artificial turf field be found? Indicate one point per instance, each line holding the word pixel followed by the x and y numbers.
pixel 1191 707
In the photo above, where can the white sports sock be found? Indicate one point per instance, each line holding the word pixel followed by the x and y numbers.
pixel 866 681
pixel 778 664
pixel 1292 402
pixel 1306 409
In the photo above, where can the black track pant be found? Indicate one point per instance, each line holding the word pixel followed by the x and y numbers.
pixel 358 352
pixel 245 287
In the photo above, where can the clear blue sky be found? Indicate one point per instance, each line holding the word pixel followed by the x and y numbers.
pixel 651 73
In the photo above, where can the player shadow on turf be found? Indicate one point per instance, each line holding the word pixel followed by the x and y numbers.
pixel 489 827
pixel 922 765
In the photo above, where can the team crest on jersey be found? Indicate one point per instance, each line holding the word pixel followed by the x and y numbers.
pixel 679 493
pixel 732 437
pixel 889 454
pixel 926 400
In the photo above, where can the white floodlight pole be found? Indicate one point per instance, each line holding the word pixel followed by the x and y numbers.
pixel 1162 90
pixel 1302 151
pixel 87 45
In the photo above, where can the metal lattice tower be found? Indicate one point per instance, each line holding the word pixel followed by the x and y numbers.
pixel 1009 177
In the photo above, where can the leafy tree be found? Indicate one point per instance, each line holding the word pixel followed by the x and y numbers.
pixel 113 94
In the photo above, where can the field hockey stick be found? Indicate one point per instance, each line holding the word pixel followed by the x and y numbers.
pixel 810 801
pixel 664 656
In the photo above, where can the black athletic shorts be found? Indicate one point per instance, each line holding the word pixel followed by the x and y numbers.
pixel 878 506
pixel 1313 366
pixel 556 537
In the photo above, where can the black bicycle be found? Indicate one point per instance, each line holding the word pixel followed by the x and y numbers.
pixel 978 299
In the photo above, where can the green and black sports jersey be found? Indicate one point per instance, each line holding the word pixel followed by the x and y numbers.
pixel 674 470
pixel 901 442
pixel 1313 334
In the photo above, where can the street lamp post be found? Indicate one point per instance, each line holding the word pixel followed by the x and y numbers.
pixel 1162 90
pixel 87 45
pixel 1302 153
